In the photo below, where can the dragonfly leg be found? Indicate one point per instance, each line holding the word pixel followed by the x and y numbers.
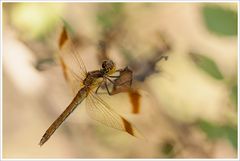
pixel 113 76
pixel 105 83
pixel 98 87
pixel 120 83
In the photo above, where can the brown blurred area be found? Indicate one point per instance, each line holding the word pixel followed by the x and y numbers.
pixel 172 100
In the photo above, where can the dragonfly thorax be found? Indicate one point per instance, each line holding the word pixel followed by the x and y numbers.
pixel 92 77
pixel 108 67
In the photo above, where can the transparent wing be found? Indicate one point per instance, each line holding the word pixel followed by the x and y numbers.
pixel 102 112
pixel 72 64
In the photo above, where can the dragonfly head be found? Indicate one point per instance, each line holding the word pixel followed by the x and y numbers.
pixel 108 67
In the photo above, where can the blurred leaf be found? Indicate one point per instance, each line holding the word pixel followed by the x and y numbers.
pixel 231 134
pixel 211 130
pixel 109 16
pixel 220 21
pixel 35 20
pixel 117 7
pixel 168 149
pixel 207 64
pixel 234 95
pixel 215 131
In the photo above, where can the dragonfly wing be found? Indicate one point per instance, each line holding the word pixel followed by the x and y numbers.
pixel 102 112
pixel 72 64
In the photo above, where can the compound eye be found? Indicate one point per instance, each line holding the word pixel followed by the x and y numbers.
pixel 104 64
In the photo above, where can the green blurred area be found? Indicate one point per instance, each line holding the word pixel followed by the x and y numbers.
pixel 214 131
pixel 35 20
pixel 220 20
pixel 208 65
pixel 110 16
pixel 223 22
pixel 234 95
pixel 168 149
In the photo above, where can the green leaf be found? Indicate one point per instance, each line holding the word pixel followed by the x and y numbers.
pixel 234 95
pixel 217 131
pixel 207 65
pixel 211 130
pixel 220 21
pixel 231 134
pixel 34 21
pixel 109 16
pixel 168 149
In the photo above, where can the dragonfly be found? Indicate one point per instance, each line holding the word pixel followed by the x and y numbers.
pixel 88 84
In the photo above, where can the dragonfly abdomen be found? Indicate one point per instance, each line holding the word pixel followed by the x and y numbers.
pixel 81 95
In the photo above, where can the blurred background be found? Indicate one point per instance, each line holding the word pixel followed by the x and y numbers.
pixel 188 103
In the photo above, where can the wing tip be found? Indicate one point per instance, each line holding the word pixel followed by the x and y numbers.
pixel 63 37
pixel 131 130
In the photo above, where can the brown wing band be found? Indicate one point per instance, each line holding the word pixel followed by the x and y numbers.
pixel 63 38
pixel 128 127
pixel 135 100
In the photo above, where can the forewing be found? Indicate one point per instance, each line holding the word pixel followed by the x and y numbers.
pixel 72 64
pixel 102 112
